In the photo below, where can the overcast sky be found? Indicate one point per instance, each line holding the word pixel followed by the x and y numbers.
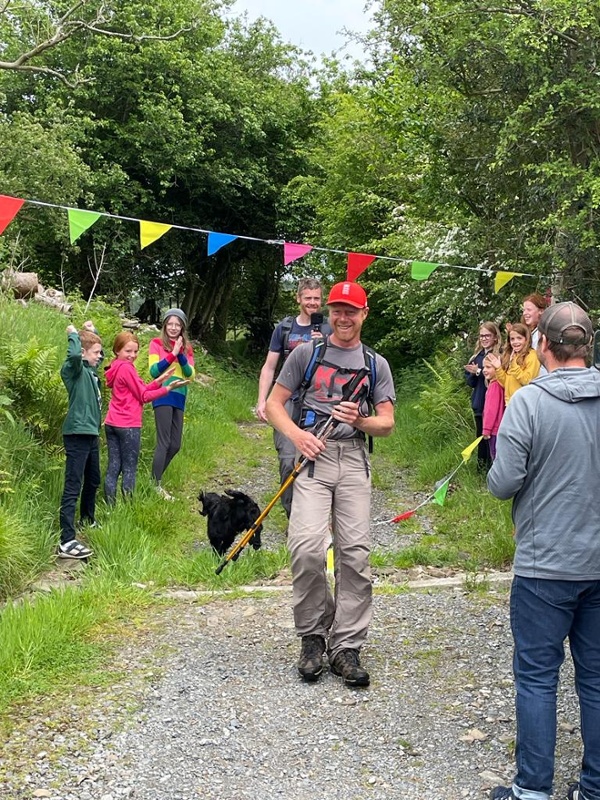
pixel 312 24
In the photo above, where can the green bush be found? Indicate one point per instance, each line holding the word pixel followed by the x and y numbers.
pixel 443 403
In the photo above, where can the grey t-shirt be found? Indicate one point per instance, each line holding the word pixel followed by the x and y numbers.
pixel 325 390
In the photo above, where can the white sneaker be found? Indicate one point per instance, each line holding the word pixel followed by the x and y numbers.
pixel 75 550
pixel 164 494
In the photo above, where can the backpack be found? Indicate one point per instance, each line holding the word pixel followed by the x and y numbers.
pixel 286 328
pixel 318 357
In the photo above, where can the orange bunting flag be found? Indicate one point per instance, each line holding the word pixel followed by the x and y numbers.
pixel 151 231
pixel 357 263
pixel 9 208
pixel 293 251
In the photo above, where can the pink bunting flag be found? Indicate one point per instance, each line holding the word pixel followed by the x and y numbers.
pixel 357 263
pixel 293 251
pixel 9 208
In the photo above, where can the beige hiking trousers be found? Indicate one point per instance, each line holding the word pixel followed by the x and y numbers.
pixel 340 485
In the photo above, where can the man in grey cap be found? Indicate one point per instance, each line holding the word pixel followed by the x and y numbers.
pixel 548 462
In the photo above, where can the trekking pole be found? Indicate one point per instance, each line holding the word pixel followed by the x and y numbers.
pixel 353 391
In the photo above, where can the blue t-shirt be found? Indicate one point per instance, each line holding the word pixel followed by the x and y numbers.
pixel 299 334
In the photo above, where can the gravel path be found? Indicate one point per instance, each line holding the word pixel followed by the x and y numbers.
pixel 208 703
pixel 221 713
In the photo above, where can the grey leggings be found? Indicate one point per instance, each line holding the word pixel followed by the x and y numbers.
pixel 169 430
pixel 123 455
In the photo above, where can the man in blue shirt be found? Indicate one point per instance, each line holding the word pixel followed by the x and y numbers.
pixel 290 332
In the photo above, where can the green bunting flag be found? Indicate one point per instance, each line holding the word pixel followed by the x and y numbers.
pixel 421 270
pixel 80 221
pixel 439 496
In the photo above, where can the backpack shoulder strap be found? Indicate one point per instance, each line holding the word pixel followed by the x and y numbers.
pixel 371 365
pixel 316 358
pixel 286 328
pixel 318 353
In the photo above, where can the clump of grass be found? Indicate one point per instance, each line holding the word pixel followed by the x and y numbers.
pixel 16 554
pixel 46 641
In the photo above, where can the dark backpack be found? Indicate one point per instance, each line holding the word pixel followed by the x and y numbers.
pixel 318 357
pixel 286 328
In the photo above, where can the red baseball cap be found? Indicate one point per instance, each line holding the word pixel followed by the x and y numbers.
pixel 350 293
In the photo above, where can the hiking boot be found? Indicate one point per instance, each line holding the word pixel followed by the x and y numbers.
pixel 574 792
pixel 310 663
pixel 502 793
pixel 347 664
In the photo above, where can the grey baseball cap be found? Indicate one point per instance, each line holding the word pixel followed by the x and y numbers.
pixel 566 323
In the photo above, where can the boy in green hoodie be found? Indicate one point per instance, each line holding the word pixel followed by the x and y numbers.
pixel 81 431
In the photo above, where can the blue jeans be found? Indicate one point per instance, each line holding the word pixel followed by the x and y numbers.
pixel 543 614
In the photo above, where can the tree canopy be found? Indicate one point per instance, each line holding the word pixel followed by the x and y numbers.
pixel 470 137
pixel 203 129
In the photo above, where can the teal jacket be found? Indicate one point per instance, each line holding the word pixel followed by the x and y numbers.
pixel 84 414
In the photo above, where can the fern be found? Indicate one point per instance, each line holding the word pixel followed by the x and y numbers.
pixel 29 373
pixel 444 403
pixel 4 412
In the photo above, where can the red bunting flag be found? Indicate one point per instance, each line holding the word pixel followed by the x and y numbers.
pixel 406 515
pixel 9 208
pixel 357 263
pixel 293 251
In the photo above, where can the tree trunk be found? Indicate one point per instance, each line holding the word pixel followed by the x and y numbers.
pixel 208 282
pixel 22 284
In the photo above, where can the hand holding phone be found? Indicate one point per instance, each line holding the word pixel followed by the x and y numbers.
pixel 316 320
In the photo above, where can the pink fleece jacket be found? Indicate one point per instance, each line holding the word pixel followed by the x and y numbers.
pixel 493 409
pixel 129 393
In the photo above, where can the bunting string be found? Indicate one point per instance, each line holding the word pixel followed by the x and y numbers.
pixel 440 489
pixel 81 220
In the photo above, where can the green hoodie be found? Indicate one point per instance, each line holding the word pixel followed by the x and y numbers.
pixel 83 386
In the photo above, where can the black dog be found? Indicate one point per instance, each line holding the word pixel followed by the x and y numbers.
pixel 228 516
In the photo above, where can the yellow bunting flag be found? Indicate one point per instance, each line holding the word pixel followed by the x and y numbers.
pixel 330 560
pixel 502 278
pixel 468 451
pixel 151 231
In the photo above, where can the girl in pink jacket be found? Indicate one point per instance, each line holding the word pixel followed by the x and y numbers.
pixel 123 423
pixel 493 405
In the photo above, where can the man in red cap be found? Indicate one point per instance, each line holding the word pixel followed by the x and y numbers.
pixel 336 483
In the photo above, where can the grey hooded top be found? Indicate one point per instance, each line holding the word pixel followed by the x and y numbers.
pixel 548 461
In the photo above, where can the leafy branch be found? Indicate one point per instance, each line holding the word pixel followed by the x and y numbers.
pixel 66 27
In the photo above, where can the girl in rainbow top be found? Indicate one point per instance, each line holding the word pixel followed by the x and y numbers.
pixel 171 349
